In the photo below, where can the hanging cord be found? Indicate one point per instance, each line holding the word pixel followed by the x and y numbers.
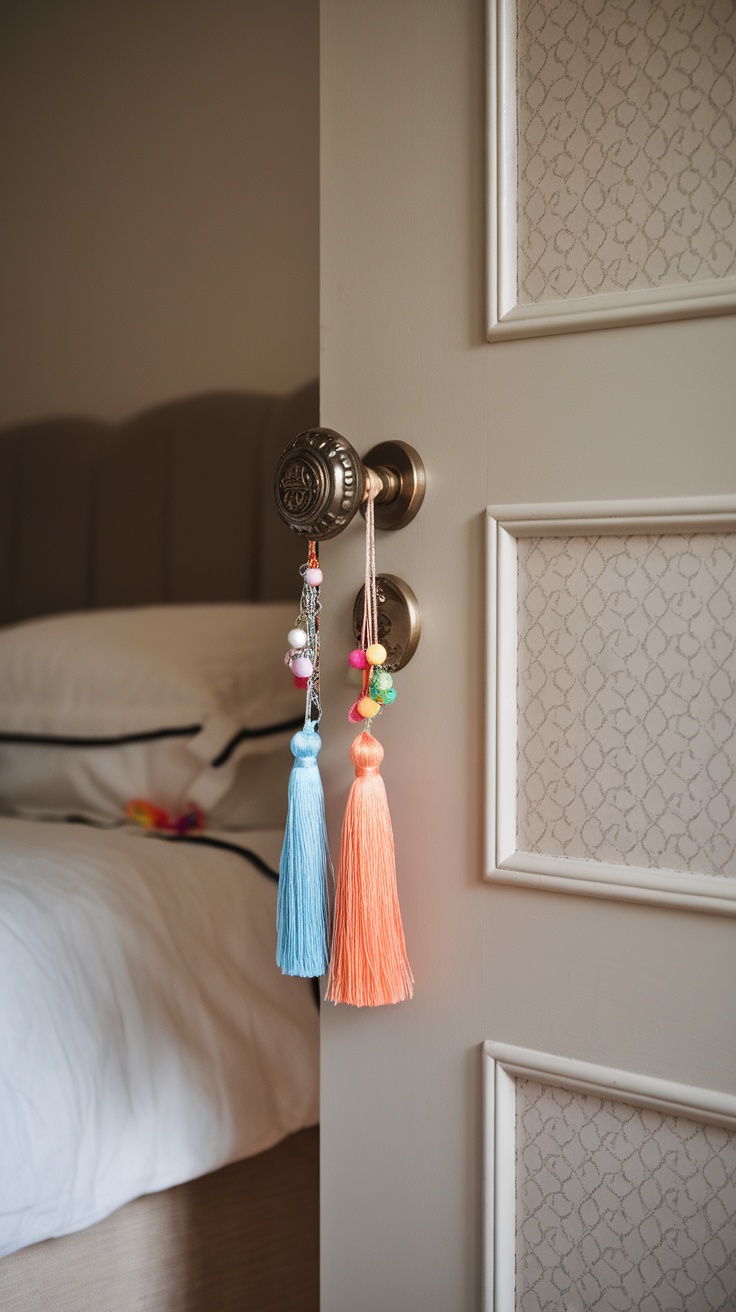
pixel 309 613
pixel 369 628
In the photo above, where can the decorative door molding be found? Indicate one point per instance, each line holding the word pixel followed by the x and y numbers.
pixel 611 700
pixel 605 1162
pixel 611 164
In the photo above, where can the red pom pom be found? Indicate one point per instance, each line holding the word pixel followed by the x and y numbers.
pixel 300 683
pixel 357 659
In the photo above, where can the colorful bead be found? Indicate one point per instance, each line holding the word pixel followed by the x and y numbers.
pixel 313 577
pixel 190 821
pixel 376 654
pixel 146 814
pixel 368 708
pixel 296 638
pixel 384 680
pixel 386 696
pixel 354 714
pixel 357 659
pixel 302 667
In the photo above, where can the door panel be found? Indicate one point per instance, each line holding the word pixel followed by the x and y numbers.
pixel 606 1188
pixel 612 700
pixel 626 413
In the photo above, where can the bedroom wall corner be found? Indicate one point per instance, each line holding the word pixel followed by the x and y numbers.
pixel 160 202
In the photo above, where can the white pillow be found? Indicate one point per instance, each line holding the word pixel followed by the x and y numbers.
pixel 171 704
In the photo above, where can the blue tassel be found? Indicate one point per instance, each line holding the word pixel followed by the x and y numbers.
pixel 302 912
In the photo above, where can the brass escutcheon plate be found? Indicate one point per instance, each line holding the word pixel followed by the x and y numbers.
pixel 399 619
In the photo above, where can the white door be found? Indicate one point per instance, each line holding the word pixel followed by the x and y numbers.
pixel 619 414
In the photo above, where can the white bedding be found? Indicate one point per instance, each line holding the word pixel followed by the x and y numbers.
pixel 146 1034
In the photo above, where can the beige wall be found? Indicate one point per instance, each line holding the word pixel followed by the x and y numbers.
pixel 633 412
pixel 159 201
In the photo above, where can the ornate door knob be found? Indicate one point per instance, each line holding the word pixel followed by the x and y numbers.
pixel 321 482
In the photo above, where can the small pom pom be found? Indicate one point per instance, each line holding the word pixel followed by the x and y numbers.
pixel 302 667
pixel 384 680
pixel 368 708
pixel 300 683
pixel 386 696
pixel 354 714
pixel 296 638
pixel 314 577
pixel 376 654
pixel 357 659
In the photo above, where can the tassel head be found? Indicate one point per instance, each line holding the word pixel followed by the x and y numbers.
pixel 366 754
pixel 306 746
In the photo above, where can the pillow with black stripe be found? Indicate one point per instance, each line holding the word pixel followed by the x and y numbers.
pixel 176 705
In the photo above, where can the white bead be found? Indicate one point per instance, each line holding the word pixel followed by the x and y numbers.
pixel 296 638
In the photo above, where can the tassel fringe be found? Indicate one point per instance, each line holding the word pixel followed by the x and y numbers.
pixel 302 910
pixel 369 965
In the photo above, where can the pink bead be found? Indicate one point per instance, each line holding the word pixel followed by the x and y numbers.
pixel 300 683
pixel 357 659
pixel 314 577
pixel 354 714
pixel 302 667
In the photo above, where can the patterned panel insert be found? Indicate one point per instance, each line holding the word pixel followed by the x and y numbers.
pixel 621 1209
pixel 626 145
pixel 626 688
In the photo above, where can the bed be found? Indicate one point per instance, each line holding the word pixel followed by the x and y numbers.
pixel 172 1133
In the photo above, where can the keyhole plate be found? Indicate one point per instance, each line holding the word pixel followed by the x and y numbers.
pixel 399 619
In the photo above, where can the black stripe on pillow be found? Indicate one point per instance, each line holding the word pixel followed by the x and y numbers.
pixel 244 734
pixel 149 736
pixel 114 740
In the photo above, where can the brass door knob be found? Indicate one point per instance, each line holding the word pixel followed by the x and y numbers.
pixel 321 482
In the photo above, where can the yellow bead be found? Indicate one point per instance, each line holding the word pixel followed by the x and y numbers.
pixel 376 654
pixel 367 708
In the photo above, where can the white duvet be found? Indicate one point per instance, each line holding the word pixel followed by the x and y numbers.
pixel 146 1034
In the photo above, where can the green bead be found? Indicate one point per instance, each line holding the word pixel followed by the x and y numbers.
pixel 384 680
pixel 386 696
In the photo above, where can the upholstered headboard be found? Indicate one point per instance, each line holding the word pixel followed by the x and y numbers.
pixel 174 505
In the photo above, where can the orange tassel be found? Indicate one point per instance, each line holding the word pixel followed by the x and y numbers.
pixel 368 965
